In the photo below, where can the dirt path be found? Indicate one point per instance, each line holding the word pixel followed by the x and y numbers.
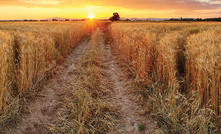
pixel 44 110
pixel 131 121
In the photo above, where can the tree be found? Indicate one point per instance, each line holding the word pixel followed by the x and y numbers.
pixel 115 17
pixel 54 20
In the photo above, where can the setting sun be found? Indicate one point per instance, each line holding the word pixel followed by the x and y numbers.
pixel 91 16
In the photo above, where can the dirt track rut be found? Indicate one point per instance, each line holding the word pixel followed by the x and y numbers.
pixel 124 99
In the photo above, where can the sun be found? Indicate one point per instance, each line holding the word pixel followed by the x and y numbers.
pixel 91 16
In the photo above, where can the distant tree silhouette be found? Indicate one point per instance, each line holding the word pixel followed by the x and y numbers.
pixel 197 19
pixel 212 19
pixel 43 20
pixel 115 17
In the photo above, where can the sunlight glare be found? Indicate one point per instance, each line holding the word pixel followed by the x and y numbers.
pixel 91 16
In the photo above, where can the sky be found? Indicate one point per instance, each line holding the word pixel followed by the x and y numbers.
pixel 41 9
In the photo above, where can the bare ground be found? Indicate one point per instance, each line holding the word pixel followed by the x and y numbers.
pixel 43 111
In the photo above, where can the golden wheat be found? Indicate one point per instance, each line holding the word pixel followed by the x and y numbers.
pixel 29 51
pixel 6 61
pixel 203 66
pixel 160 50
pixel 178 58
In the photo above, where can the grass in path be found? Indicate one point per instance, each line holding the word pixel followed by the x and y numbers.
pixel 84 106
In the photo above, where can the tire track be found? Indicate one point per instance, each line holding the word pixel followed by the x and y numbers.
pixel 131 119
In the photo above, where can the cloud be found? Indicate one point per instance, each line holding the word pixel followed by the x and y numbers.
pixel 164 4
pixel 104 8
pixel 41 3
pixel 183 5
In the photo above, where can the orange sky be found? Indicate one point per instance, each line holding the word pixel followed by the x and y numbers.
pixel 40 9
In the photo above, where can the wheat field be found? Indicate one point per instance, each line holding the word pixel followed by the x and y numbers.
pixel 29 52
pixel 179 59
pixel 177 66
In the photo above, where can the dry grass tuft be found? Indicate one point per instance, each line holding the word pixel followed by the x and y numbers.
pixel 178 114
pixel 10 114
